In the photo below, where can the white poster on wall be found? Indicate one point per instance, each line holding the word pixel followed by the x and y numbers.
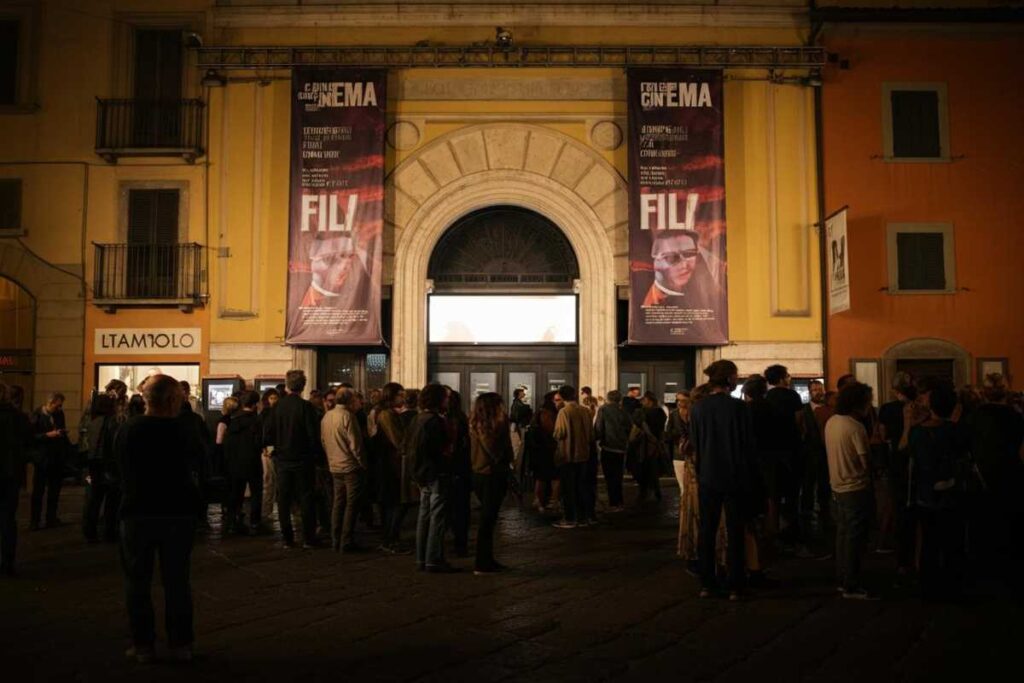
pixel 152 341
pixel 838 264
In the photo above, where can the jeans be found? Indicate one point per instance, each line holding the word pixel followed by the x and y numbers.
pixel 8 522
pixel 348 497
pixel 269 484
pixel 295 484
pixel 459 509
pixel 853 517
pixel 393 515
pixel 47 478
pixel 141 539
pixel 490 491
pixel 613 464
pixel 105 494
pixel 711 504
pixel 237 498
pixel 430 526
pixel 323 497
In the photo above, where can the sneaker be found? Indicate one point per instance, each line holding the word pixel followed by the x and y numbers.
pixel 693 569
pixel 583 523
pixel 564 524
pixel 181 654
pixel 735 596
pixel 286 545
pixel 705 593
pixel 142 655
pixel 858 594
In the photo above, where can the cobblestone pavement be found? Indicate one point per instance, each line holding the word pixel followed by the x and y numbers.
pixel 604 603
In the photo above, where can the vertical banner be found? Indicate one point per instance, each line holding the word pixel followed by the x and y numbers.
pixel 336 219
pixel 677 265
pixel 838 264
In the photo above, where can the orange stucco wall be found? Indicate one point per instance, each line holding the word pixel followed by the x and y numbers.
pixel 980 192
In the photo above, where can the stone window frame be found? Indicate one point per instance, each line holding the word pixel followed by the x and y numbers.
pixel 892 255
pixel 125 186
pixel 887 133
pixel 984 367
pixel 875 381
pixel 122 65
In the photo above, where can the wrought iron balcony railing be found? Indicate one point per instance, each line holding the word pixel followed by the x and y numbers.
pixel 155 274
pixel 149 128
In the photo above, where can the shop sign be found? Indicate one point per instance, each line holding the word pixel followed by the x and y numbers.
pixel 155 341
pixel 15 360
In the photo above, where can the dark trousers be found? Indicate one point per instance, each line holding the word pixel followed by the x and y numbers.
pixel 815 487
pixel 648 480
pixel 790 480
pixel 904 520
pixel 142 538
pixel 46 478
pixel 8 522
pixel 323 497
pixel 236 499
pixel 459 508
pixel 490 491
pixel 393 515
pixel 853 518
pixel 348 497
pixel 613 465
pixel 102 494
pixel 588 490
pixel 571 474
pixel 942 551
pixel 711 505
pixel 295 485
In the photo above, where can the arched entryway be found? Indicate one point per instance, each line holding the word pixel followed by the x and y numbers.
pixel 530 167
pixel 927 357
pixel 58 328
pixel 503 312
pixel 17 335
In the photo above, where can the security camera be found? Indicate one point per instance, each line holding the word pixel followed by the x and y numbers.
pixel 192 39
pixel 503 37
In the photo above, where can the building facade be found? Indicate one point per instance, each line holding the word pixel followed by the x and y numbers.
pixel 920 127
pixel 144 161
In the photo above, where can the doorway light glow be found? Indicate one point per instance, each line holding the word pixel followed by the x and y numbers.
pixel 511 319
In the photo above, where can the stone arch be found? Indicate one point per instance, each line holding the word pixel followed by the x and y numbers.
pixel 519 165
pixel 59 327
pixel 923 348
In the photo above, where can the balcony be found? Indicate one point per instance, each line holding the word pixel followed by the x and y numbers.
pixel 149 128
pixel 149 275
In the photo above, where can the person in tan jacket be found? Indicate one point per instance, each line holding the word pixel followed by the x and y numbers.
pixel 573 431
pixel 346 458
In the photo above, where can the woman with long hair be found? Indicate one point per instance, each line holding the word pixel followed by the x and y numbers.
pixel 540 448
pixel 462 472
pixel 388 443
pixel 491 457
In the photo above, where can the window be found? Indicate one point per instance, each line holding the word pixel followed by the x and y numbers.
pixel 10 205
pixel 915 126
pixel 10 43
pixel 152 255
pixel 153 216
pixel 921 258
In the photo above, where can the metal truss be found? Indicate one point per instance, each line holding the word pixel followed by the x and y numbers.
pixel 493 56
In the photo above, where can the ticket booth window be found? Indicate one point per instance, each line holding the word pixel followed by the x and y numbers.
pixel 133 375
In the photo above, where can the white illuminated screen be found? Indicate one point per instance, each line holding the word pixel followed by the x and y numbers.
pixel 503 319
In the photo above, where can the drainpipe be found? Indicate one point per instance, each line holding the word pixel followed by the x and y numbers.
pixel 820 187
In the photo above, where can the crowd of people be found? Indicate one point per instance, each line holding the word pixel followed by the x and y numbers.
pixel 934 477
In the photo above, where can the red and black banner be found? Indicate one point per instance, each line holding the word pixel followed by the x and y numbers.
pixel 337 206
pixel 677 265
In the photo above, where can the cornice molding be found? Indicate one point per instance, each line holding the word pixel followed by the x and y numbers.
pixel 595 14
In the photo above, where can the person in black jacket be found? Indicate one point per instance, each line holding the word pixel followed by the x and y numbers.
pixel 51 436
pixel 428 440
pixel 156 452
pixel 721 429
pixel 15 437
pixel 243 446
pixel 201 464
pixel 294 431
pixel 104 489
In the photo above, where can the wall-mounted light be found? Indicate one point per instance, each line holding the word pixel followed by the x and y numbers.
pixel 212 79
pixel 503 37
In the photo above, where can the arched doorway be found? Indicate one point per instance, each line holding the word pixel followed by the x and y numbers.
pixel 17 336
pixel 925 356
pixel 503 313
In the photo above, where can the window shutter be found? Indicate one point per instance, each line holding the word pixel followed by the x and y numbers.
pixel 152 216
pixel 915 124
pixel 9 34
pixel 10 204
pixel 922 262
pixel 158 65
